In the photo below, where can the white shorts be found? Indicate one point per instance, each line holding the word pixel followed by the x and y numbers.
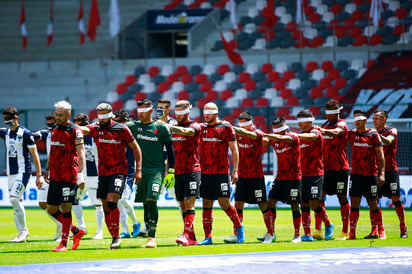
pixel 16 184
pixel 91 185
pixel 43 193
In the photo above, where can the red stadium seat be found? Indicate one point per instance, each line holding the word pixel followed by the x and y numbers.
pixel 309 10
pixel 172 78
pixel 283 111
pixel 376 39
pixel 153 71
pixel 287 75
pixel 273 76
pixel 226 94
pixel 212 95
pixel 360 41
pixel 223 68
pixel 206 86
pixel 401 13
pixel 325 83
pixel 314 18
pixel 202 102
pixel 229 118
pixel 292 101
pixel 340 31
pixel 316 92
pixel 186 78
pixel 336 8
pixel 244 77
pixel 162 87
pixel 200 78
pixel 92 114
pixel 117 105
pixel 279 84
pixel 237 111
pixel 315 110
pixel 183 95
pixel 247 102
pixel 262 102
pixel 316 42
pixel 267 67
pixel 180 70
pixel 121 88
pixel 286 93
pixel 327 65
pixel 334 74
pixel 311 66
pixel 355 32
pixel 332 92
pixel 130 79
pixel 340 83
pixel 139 96
pixel 357 15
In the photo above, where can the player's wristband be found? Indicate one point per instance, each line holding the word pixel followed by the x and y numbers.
pixel 80 178
pixel 171 171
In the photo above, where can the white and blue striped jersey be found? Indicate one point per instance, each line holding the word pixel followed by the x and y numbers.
pixel 44 135
pixel 17 144
pixel 92 157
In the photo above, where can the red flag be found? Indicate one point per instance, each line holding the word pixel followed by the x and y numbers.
pixel 94 20
pixel 269 14
pixel 233 55
pixel 50 26
pixel 81 24
pixel 23 26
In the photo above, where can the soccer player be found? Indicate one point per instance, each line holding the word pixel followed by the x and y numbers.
pixel 187 169
pixel 45 135
pixel 152 136
pixel 91 172
pixel 125 203
pixel 391 187
pixel 19 145
pixel 163 112
pixel 336 165
pixel 64 173
pixel 251 187
pixel 111 139
pixel 287 187
pixel 368 171
pixel 311 159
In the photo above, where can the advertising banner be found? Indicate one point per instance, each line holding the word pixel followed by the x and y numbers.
pixel 174 19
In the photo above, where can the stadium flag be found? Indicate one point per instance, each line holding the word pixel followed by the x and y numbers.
pixel 50 26
pixel 232 5
pixel 269 14
pixel 94 20
pixel 233 55
pixel 114 15
pixel 23 26
pixel 300 14
pixel 81 24
pixel 375 12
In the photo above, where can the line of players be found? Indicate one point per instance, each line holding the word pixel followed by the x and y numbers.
pixel 299 179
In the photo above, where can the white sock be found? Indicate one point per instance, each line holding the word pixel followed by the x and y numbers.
pixel 78 212
pixel 19 214
pixel 123 217
pixel 99 219
pixel 130 211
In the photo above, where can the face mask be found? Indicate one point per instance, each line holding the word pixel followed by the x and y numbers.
pixel 9 123
pixel 160 113
pixel 50 125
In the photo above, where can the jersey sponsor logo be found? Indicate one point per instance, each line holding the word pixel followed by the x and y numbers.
pixel 205 139
pixel 362 145
pixel 304 145
pixel 147 138
pixel 176 139
pixel 109 141
pixel 283 150
pixel 327 137
pixel 245 145
pixel 57 144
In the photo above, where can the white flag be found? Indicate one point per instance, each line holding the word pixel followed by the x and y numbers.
pixel 232 5
pixel 114 15
pixel 375 12
pixel 300 14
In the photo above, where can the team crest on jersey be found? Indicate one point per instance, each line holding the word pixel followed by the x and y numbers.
pixel 156 131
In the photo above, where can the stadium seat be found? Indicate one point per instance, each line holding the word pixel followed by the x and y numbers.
pixel 220 86
pixel 334 74
pixel 209 69
pixel 273 76
pixel 292 101
pixel 212 95
pixel 279 84
pixel 332 92
pixel 153 71
pixel 327 65
pixel 244 77
pixel 181 70
pixel 226 94
pixel 139 96
pixel 311 66
pixel 186 78
pixel 223 68
pixel 206 86
pixel 131 104
pixel 92 114
pixel 318 74
pixel 183 95
pixel 281 67
pixel 202 102
pixel 112 96
pixel 294 84
pixel 162 87
pixel 250 85
pixel 340 83
pixel 116 105
pixel 375 39
pixel 130 79
pixel 283 111
pixel 262 102
pixel 229 77
pixel 270 93
pixel 195 69
pixel 200 78
pixel 173 77
pixel 315 110
pixel 240 93
pixel 267 67
pixel 121 88
pixel 139 70
pixel 276 101
pixel 177 86
pixel 316 92
pixel 252 68
pixel 247 102
pixel 325 83
pixel 286 93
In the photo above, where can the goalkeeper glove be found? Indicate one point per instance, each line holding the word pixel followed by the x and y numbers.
pixel 169 180
pixel 81 191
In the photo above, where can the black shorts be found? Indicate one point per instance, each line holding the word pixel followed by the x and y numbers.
pixel 110 184
pixel 251 190
pixel 392 186
pixel 214 186
pixel 62 193
pixel 362 185
pixel 187 185
pixel 336 182
pixel 312 188
pixel 286 191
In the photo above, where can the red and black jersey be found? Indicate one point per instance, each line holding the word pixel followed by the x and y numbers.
pixel 311 154
pixel 390 150
pixel 288 155
pixel 364 160
pixel 214 144
pixel 334 148
pixel 250 156
pixel 64 160
pixel 111 147
pixel 187 150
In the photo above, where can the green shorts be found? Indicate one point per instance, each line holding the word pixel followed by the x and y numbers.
pixel 150 186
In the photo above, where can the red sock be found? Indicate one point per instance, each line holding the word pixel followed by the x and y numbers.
pixel 232 214
pixel 377 216
pixel 306 219
pixel 267 218
pixel 188 228
pixel 325 217
pixel 322 204
pixel 373 222
pixel 296 224
pixel 318 221
pixel 400 211
pixel 240 214
pixel 108 221
pixel 207 221
pixel 344 212
pixel 353 216
pixel 115 218
pixel 273 219
pixel 60 217
pixel 66 222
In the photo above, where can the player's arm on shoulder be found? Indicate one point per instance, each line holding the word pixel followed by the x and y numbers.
pixel 185 131
pixel 308 136
pixel 85 129
pixel 332 132
pixel 245 132
pixel 137 152
pixel 388 139
pixel 279 138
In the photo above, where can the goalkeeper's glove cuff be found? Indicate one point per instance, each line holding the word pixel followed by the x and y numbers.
pixel 171 171
pixel 80 178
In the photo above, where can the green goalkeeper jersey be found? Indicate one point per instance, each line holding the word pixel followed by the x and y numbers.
pixel 151 139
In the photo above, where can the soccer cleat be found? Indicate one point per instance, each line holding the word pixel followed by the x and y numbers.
pixel 382 234
pixel 182 240
pixel 269 239
pixel 240 231
pixel 98 236
pixel 372 236
pixel 231 240
pixel 125 235
pixel 76 238
pixel 115 243
pixel 352 236
pixel 296 239
pixel 58 231
pixel 404 232
pixel 206 241
pixel 342 237
pixel 191 242
pixel 60 248
pixel 261 238
pixel 151 243
pixel 329 231
pixel 307 238
pixel 136 230
pixel 317 234
pixel 22 237
pixel 143 232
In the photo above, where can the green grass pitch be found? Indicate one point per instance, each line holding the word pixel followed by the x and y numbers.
pixel 38 248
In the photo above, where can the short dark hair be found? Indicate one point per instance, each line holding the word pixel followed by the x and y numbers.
pixel 245 116
pixel 305 113
pixel 11 112
pixel 332 104
pixel 122 114
pixel 384 113
pixel 164 101
pixel 82 118
pixel 278 121
pixel 145 102
pixel 51 116
pixel 359 111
